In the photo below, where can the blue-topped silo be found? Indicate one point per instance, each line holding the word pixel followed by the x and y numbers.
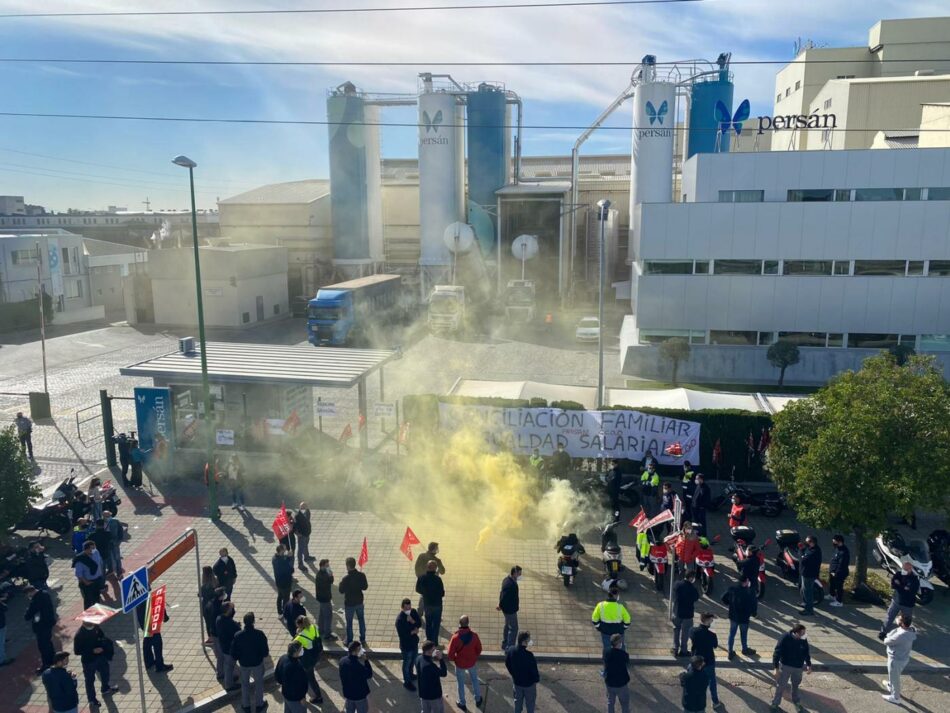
pixel 487 160
pixel 704 121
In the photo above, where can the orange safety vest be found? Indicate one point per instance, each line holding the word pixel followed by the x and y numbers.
pixel 737 516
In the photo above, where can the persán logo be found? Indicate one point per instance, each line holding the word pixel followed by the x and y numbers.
pixel 657 115
pixel 735 120
pixel 432 124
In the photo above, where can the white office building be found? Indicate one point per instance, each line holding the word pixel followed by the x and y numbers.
pixel 842 252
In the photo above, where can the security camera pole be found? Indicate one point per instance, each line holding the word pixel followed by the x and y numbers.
pixel 603 210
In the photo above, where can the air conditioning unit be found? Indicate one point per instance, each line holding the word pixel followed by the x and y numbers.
pixel 186 345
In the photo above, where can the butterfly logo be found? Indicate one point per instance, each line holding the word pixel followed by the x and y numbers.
pixel 726 119
pixel 432 124
pixel 656 115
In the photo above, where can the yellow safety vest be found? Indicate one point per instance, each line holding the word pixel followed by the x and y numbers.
pixel 306 637
pixel 688 476
pixel 611 612
pixel 535 461
pixel 650 479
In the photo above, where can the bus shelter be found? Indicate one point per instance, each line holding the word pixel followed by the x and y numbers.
pixel 259 393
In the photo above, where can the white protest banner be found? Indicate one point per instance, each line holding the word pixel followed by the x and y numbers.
pixel 664 516
pixel 584 434
pixel 325 409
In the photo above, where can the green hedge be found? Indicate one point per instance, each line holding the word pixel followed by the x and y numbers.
pixel 730 426
pixel 15 316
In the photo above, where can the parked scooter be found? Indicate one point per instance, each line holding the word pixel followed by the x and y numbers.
pixel 568 562
pixel 706 565
pixel 658 558
pixel 890 547
pixel 770 503
pixel 788 559
pixel 612 555
pixel 939 544
pixel 51 516
pixel 744 537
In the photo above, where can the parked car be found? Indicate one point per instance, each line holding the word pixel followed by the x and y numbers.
pixel 588 330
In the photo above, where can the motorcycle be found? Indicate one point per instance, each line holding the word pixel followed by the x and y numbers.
pixel 938 542
pixel 629 488
pixel 789 559
pixel 80 506
pixel 51 516
pixel 770 503
pixel 11 570
pixel 568 561
pixel 657 558
pixel 890 547
pixel 743 537
pixel 612 555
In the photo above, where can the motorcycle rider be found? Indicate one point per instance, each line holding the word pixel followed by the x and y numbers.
pixel 700 505
pixel 838 570
pixel 649 485
pixel 905 584
pixel 689 484
pixel 808 567
pixel 572 540
pixel 687 547
pixel 737 515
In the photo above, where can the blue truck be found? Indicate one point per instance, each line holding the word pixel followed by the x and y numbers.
pixel 349 313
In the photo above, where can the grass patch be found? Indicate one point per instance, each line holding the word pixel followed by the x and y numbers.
pixel 737 388
pixel 878 581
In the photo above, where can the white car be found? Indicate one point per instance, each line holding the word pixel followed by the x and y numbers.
pixel 588 330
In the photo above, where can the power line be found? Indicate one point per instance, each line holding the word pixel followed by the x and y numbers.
pixel 86 180
pixel 412 125
pixel 136 181
pixel 344 10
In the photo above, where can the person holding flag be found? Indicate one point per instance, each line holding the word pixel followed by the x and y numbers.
pixel 151 614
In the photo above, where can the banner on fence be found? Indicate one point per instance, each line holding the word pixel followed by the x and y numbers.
pixel 584 434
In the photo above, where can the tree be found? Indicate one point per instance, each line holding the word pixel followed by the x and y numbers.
pixel 870 443
pixel 17 486
pixel 782 355
pixel 674 351
pixel 901 353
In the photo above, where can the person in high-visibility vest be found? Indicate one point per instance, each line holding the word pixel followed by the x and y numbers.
pixel 688 486
pixel 536 460
pixel 308 636
pixel 649 486
pixel 737 514
pixel 610 617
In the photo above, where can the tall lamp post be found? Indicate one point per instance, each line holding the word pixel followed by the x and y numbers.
pixel 603 211
pixel 210 469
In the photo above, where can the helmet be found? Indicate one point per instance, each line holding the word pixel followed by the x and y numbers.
pixel 703 542
pixel 621 584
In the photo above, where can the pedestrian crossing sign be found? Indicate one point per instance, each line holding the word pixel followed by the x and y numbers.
pixel 134 589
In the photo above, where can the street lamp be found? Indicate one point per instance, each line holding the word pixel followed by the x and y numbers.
pixel 603 211
pixel 211 470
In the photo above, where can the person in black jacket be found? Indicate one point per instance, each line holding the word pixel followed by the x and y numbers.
pixel 700 506
pixel 225 629
pixel 290 675
pixel 212 610
pixel 694 682
pixel 4 661
pixel 508 604
pixel 249 649
pixel 62 688
pixel 704 642
pixel 432 589
pixel 408 623
pixel 809 567
pixel 152 648
pixel 95 651
pixel 616 676
pixel 209 585
pixel 225 570
pixel 323 583
pixel 292 610
pixel 905 584
pixel 523 668
pixel 355 673
pixel 352 587
pixel 790 657
pixel 431 671
pixel 42 617
pixel 743 605
pixel 838 570
pixel 303 528
pixel 614 484
pixel 35 568
pixel 685 596
pixel 283 566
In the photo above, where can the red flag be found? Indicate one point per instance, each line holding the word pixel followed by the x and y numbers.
pixel 664 516
pixel 347 433
pixel 675 450
pixel 155 612
pixel 717 453
pixel 640 518
pixel 361 424
pixel 404 433
pixel 408 540
pixel 765 439
pixel 364 555
pixel 292 422
pixel 281 525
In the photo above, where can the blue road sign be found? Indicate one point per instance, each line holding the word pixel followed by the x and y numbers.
pixel 134 589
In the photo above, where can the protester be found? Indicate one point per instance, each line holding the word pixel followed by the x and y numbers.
pixel 324 594
pixel 560 464
pixel 422 566
pixel 508 604
pixel 704 642
pixel 523 668
pixel 899 643
pixel 700 506
pixel 303 528
pixel 355 673
pixel 685 596
pixel 616 675
pixel 688 486
pixel 103 541
pixel 408 623
pixel 352 587
pixel 4 661
pixel 41 613
pixel 432 589
pixel 209 583
pixel 292 610
pixel 649 487
pixel 36 568
pixel 290 675
pixel 694 681
pixel 249 649
pixel 790 657
pixel 809 567
pixel 24 429
pixel 89 573
pixel 225 570
pixel 62 688
pixel 95 650
pixel 225 629
pixel 235 473
pixel 838 570
pixel 212 611
pixel 81 532
pixel 687 547
pixel 116 532
pixel 743 604
pixel 283 567
pixel 431 668
pixel 464 649
pixel 667 502
pixel 152 645
pixel 95 499
pixel 614 486
pixel 122 444
pixel 905 584
pixel 611 617
pixel 309 639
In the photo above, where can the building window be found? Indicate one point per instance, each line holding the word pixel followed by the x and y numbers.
pixel 733 338
pixel 276 309
pixel 915 267
pixel 73 288
pixel 827 104
pixel 879 194
pixel 770 267
pixel 766 339
pixel 788 91
pixel 668 267
pixel 23 257
pixel 912 194
pixel 701 267
pixel 245 317
pixel 935 342
pixel 842 195
pixel 811 195
pixel 938 194
pixel 749 196
pixel 806 267
pixel 798 85
pixel 656 336
pixel 737 267
pixel 886 268
pixel 778 97
pixel 939 268
pixel 842 267
pixel 872 341
pixel 835 339
pixel 804 339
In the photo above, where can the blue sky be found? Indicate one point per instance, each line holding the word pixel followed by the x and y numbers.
pixel 133 157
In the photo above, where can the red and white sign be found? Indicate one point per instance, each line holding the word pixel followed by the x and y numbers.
pixel 281 525
pixel 640 518
pixel 664 516
pixel 156 611
pixel 98 614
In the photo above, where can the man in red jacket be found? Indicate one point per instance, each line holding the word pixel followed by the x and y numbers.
pixel 464 649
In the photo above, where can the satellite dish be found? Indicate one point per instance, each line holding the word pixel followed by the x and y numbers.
pixel 459 237
pixel 525 247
